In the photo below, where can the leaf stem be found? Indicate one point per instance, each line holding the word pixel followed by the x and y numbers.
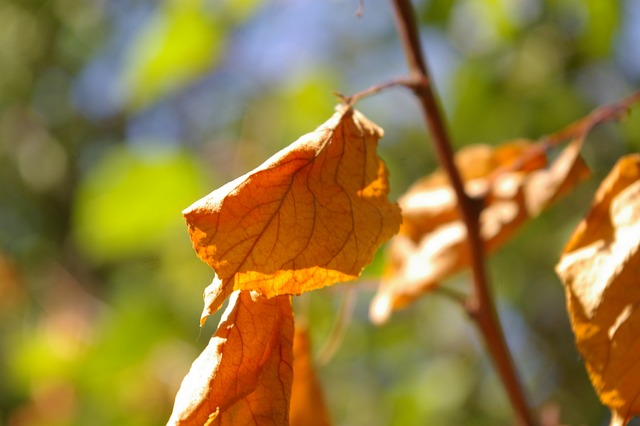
pixel 452 294
pixel 576 130
pixel 602 114
pixel 479 305
pixel 376 88
pixel 342 320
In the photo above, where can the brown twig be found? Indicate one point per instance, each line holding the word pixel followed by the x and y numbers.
pixel 360 11
pixel 576 130
pixel 451 294
pixel 598 116
pixel 376 88
pixel 479 305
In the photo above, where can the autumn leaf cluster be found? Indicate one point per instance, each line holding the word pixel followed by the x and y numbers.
pixel 316 212
pixel 312 215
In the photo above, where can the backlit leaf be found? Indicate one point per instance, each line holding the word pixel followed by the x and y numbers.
pixel 214 295
pixel 312 215
pixel 600 267
pixel 308 407
pixel 431 202
pixel 431 245
pixel 244 375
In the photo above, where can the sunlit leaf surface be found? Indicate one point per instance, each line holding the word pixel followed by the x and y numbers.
pixel 308 407
pixel 431 245
pixel 312 215
pixel 244 375
pixel 600 267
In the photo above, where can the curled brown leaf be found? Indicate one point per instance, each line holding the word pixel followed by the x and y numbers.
pixel 312 215
pixel 431 245
pixel 600 267
pixel 244 375
pixel 308 407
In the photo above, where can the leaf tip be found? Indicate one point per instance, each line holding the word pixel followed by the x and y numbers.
pixel 214 296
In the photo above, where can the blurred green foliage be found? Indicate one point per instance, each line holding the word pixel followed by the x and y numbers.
pixel 178 44
pixel 115 115
pixel 127 202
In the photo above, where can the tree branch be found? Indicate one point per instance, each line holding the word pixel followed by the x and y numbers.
pixel 376 88
pixel 479 305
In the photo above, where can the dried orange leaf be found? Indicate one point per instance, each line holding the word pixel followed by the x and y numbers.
pixel 308 407
pixel 600 267
pixel 312 215
pixel 420 261
pixel 431 202
pixel 244 375
pixel 543 187
pixel 214 296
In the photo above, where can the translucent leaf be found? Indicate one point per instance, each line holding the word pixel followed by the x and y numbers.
pixel 244 375
pixel 308 407
pixel 313 214
pixel 600 267
pixel 432 242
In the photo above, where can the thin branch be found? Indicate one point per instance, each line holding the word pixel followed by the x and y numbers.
pixel 360 11
pixel 576 130
pixel 598 116
pixel 452 294
pixel 376 88
pixel 480 304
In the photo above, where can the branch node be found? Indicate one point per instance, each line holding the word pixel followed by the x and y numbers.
pixel 419 83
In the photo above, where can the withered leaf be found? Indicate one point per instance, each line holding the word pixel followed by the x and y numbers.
pixel 214 295
pixel 308 406
pixel 431 202
pixel 431 245
pixel 600 267
pixel 312 215
pixel 244 375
